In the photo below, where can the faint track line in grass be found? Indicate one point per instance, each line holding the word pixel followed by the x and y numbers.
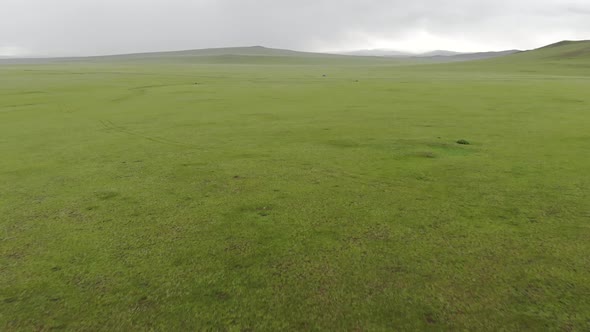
pixel 154 86
pixel 17 108
pixel 139 91
pixel 22 105
pixel 109 125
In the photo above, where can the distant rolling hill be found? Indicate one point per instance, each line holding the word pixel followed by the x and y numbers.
pixel 570 58
pixel 432 56
pixel 439 53
pixel 238 51
pixel 253 54
pixel 467 56
pixel 382 52
pixel 264 55
pixel 563 50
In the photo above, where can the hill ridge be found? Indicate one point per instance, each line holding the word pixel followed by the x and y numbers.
pixel 564 43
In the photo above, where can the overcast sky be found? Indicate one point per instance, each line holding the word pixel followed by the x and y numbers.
pixel 88 27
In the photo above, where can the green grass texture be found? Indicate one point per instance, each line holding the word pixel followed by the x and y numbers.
pixel 287 192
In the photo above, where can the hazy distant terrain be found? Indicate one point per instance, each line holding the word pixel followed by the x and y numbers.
pixel 401 54
pixel 254 189
pixel 467 56
pixel 239 54
pixel 436 56
pixel 254 55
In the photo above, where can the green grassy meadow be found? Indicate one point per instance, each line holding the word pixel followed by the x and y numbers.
pixel 268 197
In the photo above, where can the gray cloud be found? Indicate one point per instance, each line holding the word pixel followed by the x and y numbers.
pixel 85 27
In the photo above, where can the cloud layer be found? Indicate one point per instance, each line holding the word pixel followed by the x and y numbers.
pixel 87 27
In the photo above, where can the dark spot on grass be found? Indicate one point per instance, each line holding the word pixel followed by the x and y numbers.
pixel 422 177
pixel 426 155
pixel 143 304
pixel 259 210
pixel 463 142
pixel 553 211
pixel 430 319
pixel 15 255
pixel 303 326
pixel 105 195
pixel 56 268
pixel 568 327
pixel 377 233
pixel 237 247
pixel 221 296
pixel 264 211
pixel 237 177
pixel 90 208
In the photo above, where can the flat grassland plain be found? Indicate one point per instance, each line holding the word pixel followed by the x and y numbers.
pixel 246 192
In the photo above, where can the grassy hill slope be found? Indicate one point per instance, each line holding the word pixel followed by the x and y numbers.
pixel 570 58
pixel 565 50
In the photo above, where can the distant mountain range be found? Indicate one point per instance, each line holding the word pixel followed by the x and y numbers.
pixel 441 55
pixel 263 55
pixel 398 54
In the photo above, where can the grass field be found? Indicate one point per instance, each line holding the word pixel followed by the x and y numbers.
pixel 268 197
